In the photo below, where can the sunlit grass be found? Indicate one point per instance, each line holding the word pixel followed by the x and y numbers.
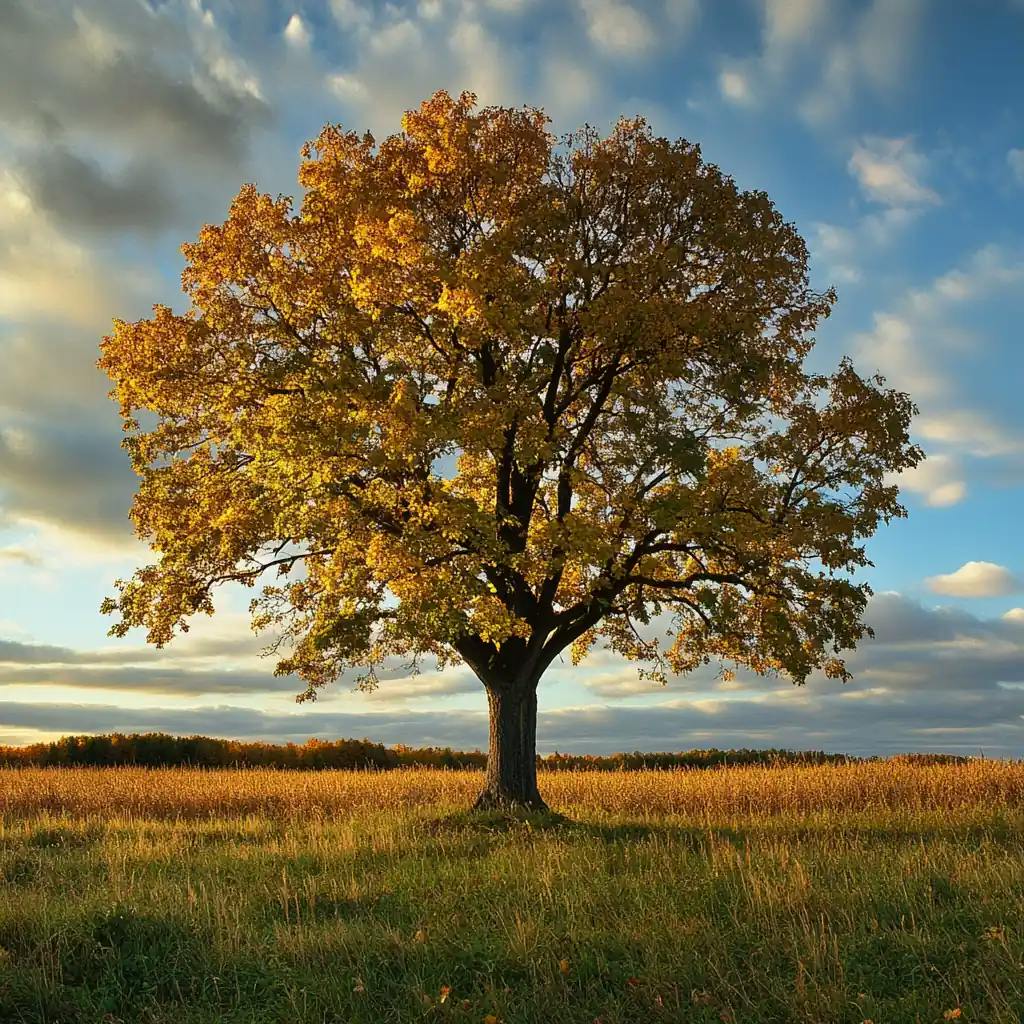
pixel 886 892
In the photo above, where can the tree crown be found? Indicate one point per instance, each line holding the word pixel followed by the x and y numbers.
pixel 485 395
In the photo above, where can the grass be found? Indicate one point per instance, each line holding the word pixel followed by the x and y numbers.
pixel 886 892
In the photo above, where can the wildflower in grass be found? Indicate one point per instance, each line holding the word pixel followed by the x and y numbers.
pixel 359 986
pixel 445 992
pixel 420 936
pixel 491 1019
pixel 563 966
pixel 994 933
pixel 955 1014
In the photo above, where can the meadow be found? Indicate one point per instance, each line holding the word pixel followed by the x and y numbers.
pixel 884 891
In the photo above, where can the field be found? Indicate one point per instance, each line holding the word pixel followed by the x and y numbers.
pixel 886 892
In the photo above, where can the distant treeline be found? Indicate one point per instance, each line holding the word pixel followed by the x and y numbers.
pixel 155 749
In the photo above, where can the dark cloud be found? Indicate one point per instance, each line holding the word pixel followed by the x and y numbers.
pixel 832 721
pixel 170 680
pixel 119 71
pixel 76 190
pixel 72 474
pixel 196 668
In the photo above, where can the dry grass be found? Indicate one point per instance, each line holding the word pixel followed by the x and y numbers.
pixel 886 892
pixel 716 794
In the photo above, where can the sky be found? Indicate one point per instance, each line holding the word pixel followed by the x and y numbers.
pixel 891 132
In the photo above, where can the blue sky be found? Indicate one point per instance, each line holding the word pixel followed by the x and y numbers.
pixel 891 132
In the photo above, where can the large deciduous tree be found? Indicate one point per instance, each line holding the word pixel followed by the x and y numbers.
pixel 487 395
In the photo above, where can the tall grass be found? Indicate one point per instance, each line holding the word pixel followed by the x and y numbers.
pixel 888 891
pixel 720 794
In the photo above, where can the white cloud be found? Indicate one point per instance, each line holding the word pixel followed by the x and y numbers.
pixel 347 87
pixel 225 69
pixel 1015 616
pixel 1015 158
pixel 350 14
pixel 735 87
pixel 970 430
pixel 617 28
pixel 938 479
pixel 911 346
pixel 889 171
pixel 976 579
pixel 789 22
pixel 872 51
pixel 841 249
pixel 297 33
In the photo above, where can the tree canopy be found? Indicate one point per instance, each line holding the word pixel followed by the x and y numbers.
pixel 484 394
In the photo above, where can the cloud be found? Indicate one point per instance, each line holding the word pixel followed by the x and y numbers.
pixel 217 661
pixel 918 346
pixel 889 171
pixel 939 479
pixel 297 33
pixel 617 28
pixel 126 73
pixel 976 579
pixel 1015 159
pixel 790 22
pixel 41 465
pixel 43 273
pixel 19 555
pixel 735 86
pixel 842 249
pixel 871 52
pixel 970 430
pixel 75 190
pixel 933 678
pixel 843 49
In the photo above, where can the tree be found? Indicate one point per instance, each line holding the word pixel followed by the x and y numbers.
pixel 487 396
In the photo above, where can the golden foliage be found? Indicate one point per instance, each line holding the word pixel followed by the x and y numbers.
pixel 485 396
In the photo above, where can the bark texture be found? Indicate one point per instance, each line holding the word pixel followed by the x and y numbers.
pixel 511 782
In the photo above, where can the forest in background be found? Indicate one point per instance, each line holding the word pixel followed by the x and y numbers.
pixel 164 750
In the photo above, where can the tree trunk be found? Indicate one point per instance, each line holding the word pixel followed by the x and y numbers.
pixel 512 751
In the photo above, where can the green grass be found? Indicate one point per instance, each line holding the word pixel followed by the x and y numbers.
pixel 882 916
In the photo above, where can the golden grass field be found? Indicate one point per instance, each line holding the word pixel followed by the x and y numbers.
pixel 720 795
pixel 882 891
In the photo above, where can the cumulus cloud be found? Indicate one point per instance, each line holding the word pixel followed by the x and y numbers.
pixel 976 579
pixel 939 479
pixel 617 28
pixel 735 86
pixel 890 171
pixel 297 33
pixel 917 346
